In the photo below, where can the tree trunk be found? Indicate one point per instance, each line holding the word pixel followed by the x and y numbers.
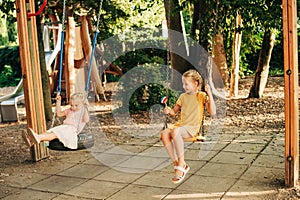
pixel 44 74
pixel 262 70
pixel 219 58
pixel 236 46
pixel 199 31
pixel 175 22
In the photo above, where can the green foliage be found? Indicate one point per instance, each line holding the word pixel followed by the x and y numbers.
pixel 7 77
pixel 8 35
pixel 3 40
pixel 10 67
pixel 151 43
pixel 146 94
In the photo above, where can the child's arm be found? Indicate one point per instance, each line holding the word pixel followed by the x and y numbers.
pixel 210 104
pixel 170 111
pixel 59 111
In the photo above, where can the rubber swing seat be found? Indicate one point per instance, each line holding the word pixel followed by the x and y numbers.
pixel 85 140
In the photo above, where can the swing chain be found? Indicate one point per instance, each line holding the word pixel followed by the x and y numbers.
pixel 99 14
pixel 64 16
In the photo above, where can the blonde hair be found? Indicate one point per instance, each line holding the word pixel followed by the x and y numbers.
pixel 77 96
pixel 195 76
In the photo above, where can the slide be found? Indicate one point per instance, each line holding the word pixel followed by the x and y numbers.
pixel 8 104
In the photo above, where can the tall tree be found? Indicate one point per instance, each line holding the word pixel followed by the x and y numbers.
pixel 175 23
pixel 236 46
pixel 262 70
pixel 267 17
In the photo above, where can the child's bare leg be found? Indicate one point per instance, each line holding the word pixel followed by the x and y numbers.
pixel 166 137
pixel 48 136
pixel 178 135
pixel 179 144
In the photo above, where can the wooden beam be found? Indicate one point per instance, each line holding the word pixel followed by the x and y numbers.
pixel 27 34
pixel 291 92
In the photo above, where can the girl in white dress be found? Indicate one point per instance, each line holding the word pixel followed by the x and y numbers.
pixel 76 118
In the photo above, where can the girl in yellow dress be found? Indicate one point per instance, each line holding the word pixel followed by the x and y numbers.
pixel 191 106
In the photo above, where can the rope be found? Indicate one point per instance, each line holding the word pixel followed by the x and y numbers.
pixel 93 49
pixel 60 60
pixel 164 100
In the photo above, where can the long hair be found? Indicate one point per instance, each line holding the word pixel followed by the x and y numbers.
pixel 195 76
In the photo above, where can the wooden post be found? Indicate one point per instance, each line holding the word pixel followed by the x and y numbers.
pixel 291 92
pixel 28 42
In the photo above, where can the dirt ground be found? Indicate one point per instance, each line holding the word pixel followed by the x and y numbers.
pixel 266 112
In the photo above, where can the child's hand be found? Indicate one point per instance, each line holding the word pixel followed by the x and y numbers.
pixel 58 99
pixel 167 110
pixel 86 103
pixel 207 89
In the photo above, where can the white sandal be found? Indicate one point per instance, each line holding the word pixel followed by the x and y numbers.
pixel 179 178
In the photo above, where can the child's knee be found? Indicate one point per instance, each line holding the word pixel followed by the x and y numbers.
pixel 165 134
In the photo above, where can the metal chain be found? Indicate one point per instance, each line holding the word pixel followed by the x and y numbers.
pixel 64 16
pixel 99 14
pixel 168 50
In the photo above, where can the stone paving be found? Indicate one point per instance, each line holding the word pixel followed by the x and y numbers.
pixel 241 164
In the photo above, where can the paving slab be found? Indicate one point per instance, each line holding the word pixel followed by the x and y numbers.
pixel 52 167
pixel 248 189
pixel 276 147
pixel 256 139
pixel 258 195
pixel 84 171
pixel 188 195
pixel 140 164
pixel 7 191
pixel 266 175
pixel 192 154
pixel 111 159
pixel 77 156
pixel 140 192
pixel 206 184
pixel 244 147
pixel 69 197
pixel 23 194
pixel 234 158
pixel 159 179
pixel 222 170
pixel 57 184
pixel 119 176
pixel 96 189
pixel 22 180
pixel 275 161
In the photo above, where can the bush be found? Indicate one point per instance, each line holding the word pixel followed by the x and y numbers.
pixel 10 66
pixel 142 87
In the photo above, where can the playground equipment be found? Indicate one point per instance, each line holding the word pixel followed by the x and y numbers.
pixel 9 102
pixel 31 73
pixel 85 138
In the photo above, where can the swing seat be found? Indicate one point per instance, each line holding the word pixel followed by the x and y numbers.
pixel 85 140
pixel 196 138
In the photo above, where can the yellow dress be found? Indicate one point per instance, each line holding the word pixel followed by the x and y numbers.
pixel 191 111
